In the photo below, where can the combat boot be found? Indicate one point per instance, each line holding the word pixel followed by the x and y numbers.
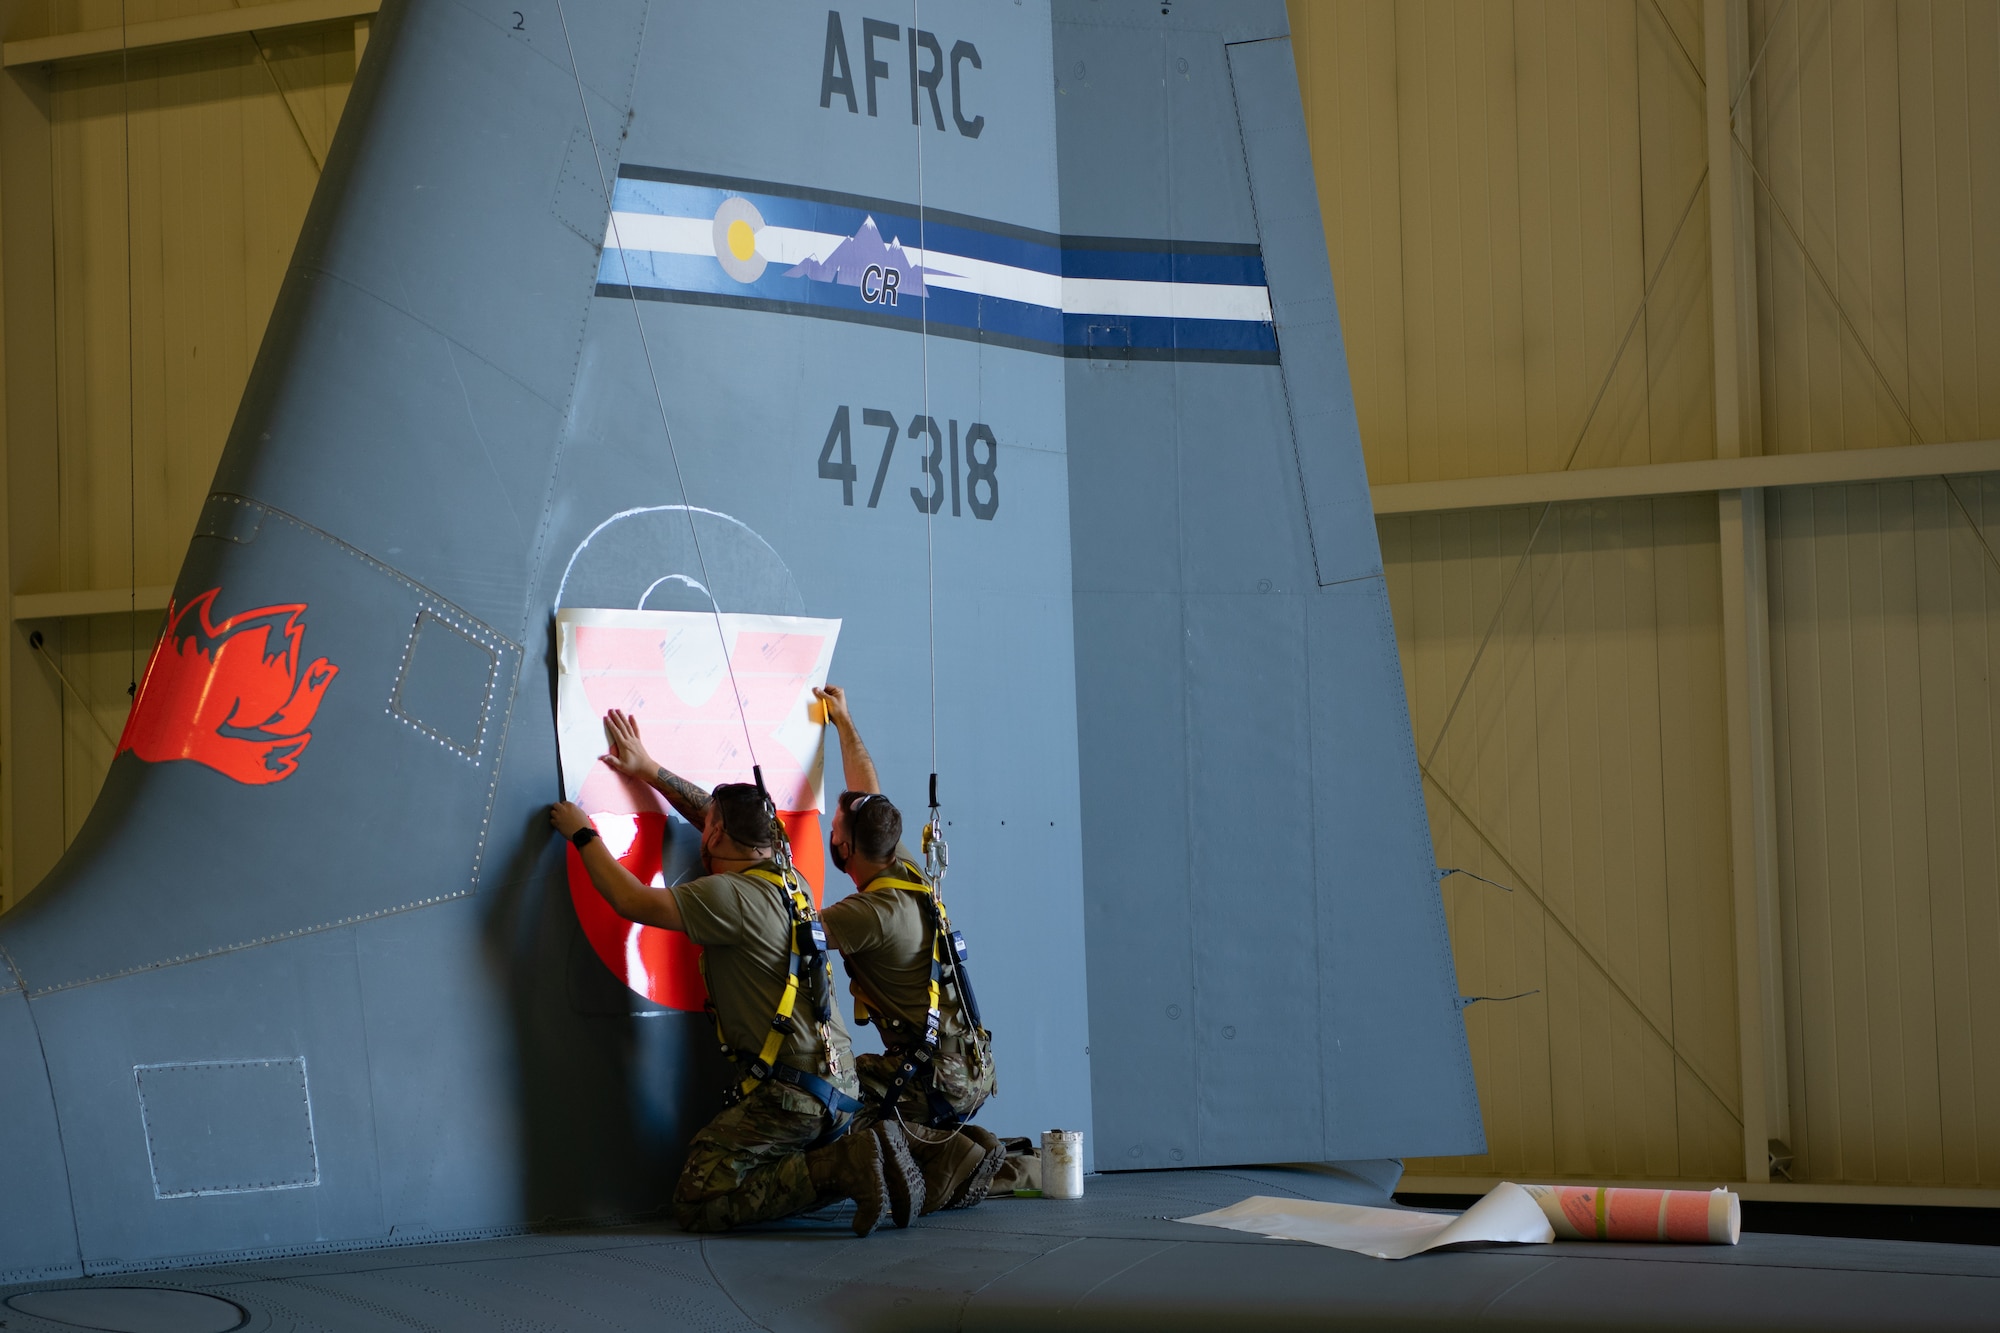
pixel 851 1168
pixel 955 1165
pixel 974 1189
pixel 900 1170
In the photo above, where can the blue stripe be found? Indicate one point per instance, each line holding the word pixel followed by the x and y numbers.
pixel 1163 266
pixel 1113 333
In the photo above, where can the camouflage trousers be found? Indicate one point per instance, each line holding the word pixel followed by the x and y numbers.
pixel 951 1075
pixel 749 1163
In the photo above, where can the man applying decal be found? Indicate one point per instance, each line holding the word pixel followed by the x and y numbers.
pixel 885 933
pixel 783 1147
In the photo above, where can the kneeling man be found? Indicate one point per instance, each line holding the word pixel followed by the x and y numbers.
pixel 931 1081
pixel 783 1146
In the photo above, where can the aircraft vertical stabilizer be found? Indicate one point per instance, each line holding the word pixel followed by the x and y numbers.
pixel 846 315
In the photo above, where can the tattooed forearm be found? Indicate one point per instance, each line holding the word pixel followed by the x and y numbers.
pixel 857 769
pixel 690 800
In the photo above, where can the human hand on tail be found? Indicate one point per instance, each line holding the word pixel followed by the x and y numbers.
pixel 568 817
pixel 628 754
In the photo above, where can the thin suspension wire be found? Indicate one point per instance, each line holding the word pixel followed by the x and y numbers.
pixel 936 501
pixel 131 376
pixel 933 504
pixel 659 401
pixel 1460 870
pixel 1467 1001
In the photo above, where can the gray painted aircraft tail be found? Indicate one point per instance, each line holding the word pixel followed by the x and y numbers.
pixel 1039 296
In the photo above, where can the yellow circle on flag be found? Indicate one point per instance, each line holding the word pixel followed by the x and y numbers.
pixel 734 234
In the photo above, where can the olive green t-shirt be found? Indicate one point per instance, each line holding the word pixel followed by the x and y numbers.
pixel 881 933
pixel 744 926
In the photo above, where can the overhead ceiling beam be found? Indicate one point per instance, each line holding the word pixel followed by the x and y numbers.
pixel 1706 474
pixel 68 47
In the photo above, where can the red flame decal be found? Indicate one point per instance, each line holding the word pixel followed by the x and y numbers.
pixel 230 696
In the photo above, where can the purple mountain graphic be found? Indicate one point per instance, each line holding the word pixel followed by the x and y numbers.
pixel 853 256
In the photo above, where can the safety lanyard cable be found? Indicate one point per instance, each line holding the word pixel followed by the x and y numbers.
pixel 131 371
pixel 659 400
pixel 937 856
pixel 933 502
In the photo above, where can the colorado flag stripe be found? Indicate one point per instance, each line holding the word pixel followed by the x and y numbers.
pixel 680 236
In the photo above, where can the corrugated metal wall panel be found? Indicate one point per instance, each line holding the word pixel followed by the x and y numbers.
pixel 1876 134
pixel 1949 80
pixel 1548 162
pixel 1501 184
pixel 224 143
pixel 1587 770
pixel 1347 79
pixel 1543 155
pixel 1456 115
pixel 1886 629
pixel 1679 327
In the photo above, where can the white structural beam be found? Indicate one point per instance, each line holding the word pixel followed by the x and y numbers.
pixel 1753 822
pixel 1705 474
pixel 92 602
pixel 1746 604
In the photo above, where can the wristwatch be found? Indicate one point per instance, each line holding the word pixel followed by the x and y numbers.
pixel 583 837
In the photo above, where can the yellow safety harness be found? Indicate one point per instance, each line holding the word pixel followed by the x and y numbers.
pixel 947 968
pixel 933 913
pixel 808 968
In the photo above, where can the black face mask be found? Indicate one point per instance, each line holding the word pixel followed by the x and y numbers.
pixel 839 856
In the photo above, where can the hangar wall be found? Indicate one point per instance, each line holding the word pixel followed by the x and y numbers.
pixel 1732 746
pixel 117 406
pixel 1521 225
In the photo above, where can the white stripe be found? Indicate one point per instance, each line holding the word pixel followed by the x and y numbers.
pixel 1164 300
pixel 984 278
pixel 661 234
pixel 1077 296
